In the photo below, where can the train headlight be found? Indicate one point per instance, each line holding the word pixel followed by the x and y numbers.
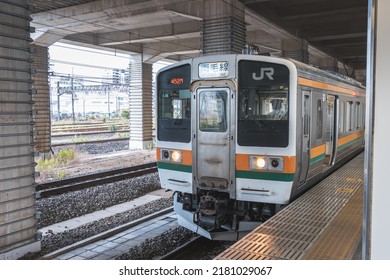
pixel 266 163
pixel 176 156
pixel 258 162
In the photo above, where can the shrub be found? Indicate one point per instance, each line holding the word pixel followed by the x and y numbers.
pixel 126 114
pixel 63 157
pixel 113 127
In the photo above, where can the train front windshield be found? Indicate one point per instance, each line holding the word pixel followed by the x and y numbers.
pixel 174 105
pixel 263 104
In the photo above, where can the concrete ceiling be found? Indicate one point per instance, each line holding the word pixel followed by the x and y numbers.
pixel 338 27
pixel 170 29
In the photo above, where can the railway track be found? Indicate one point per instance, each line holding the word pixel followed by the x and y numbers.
pixel 182 251
pixel 149 219
pixel 87 128
pixel 197 248
pixel 89 133
pixel 48 189
pixel 91 142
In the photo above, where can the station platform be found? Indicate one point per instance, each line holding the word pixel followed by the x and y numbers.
pixel 323 224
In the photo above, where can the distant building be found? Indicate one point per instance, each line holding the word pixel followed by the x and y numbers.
pixel 89 97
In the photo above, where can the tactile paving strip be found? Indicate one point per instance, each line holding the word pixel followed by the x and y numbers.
pixel 325 223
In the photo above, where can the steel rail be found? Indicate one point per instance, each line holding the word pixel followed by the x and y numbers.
pixel 86 181
pixel 89 133
pixel 91 142
pixel 178 253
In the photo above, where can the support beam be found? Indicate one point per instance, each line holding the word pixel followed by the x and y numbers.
pixel 140 98
pixel 296 49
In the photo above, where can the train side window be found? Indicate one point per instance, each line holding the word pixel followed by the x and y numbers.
pixel 306 115
pixel 358 115
pixel 341 117
pixel 320 114
pixel 349 116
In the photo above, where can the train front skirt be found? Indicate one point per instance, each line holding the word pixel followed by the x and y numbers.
pixel 187 219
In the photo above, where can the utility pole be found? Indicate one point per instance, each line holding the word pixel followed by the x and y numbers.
pixel 71 84
pixel 108 97
pixel 58 101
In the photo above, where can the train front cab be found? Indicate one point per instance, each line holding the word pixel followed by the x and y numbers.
pixel 234 158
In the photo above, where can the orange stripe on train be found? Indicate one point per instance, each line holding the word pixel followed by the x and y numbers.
pixel 321 85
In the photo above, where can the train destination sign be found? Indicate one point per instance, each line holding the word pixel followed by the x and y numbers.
pixel 214 69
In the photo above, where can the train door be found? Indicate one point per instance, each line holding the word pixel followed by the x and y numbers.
pixel 331 130
pixel 305 151
pixel 213 138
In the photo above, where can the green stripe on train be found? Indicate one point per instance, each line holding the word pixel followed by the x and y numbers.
pixel 175 167
pixel 349 143
pixel 285 177
pixel 322 156
pixel 317 158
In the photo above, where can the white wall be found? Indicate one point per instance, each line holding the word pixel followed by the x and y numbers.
pixel 380 231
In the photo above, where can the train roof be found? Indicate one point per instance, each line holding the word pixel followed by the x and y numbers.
pixel 309 69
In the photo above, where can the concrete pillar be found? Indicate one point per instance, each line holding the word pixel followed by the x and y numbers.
pixel 329 64
pixel 223 28
pixel 296 49
pixel 140 103
pixel 41 99
pixel 377 223
pixel 360 75
pixel 18 231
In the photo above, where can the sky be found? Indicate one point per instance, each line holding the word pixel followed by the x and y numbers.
pixel 69 59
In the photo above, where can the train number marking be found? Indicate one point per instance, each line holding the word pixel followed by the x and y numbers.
pixel 267 71
pixel 355 180
pixel 345 190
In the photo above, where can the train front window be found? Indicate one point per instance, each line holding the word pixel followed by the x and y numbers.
pixel 263 104
pixel 212 113
pixel 174 105
pixel 271 104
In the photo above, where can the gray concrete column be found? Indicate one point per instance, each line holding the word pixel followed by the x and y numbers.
pixel 330 64
pixel 223 28
pixel 360 75
pixel 377 192
pixel 325 63
pixel 140 99
pixel 296 49
pixel 41 99
pixel 18 231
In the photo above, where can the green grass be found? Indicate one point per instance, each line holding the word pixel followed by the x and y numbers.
pixel 113 127
pixel 62 158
